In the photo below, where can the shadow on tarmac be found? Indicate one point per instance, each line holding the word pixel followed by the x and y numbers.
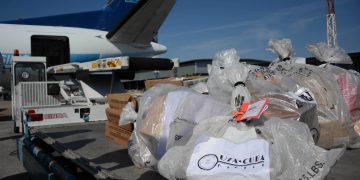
pixel 121 157
pixel 66 133
pixel 5 118
pixel 22 176
pixel 10 137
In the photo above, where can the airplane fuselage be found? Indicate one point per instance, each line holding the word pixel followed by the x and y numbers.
pixel 84 44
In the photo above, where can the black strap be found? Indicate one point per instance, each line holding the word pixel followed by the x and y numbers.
pixel 239 83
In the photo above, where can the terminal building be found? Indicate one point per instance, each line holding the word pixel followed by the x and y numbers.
pixel 199 67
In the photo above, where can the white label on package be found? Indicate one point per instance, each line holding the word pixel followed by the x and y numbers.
pixel 304 95
pixel 255 110
pixel 249 160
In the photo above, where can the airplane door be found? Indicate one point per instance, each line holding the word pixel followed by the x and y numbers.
pixel 55 48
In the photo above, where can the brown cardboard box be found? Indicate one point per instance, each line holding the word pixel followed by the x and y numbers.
pixel 118 134
pixel 113 115
pixel 119 100
pixel 174 81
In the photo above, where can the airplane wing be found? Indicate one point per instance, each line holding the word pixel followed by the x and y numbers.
pixel 142 24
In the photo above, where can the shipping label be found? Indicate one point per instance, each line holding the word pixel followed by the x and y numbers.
pixel 216 156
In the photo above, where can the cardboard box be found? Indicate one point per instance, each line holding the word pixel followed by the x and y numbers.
pixel 118 134
pixel 119 100
pixel 113 115
pixel 153 82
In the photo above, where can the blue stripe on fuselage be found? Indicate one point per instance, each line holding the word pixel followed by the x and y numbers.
pixel 83 57
pixel 104 19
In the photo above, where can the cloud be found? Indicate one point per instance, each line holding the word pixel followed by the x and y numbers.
pixel 251 36
pixel 220 43
pixel 269 19
pixel 244 46
pixel 209 29
pixel 299 9
pixel 261 33
pixel 304 23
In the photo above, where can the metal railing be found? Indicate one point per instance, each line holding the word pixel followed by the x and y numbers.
pixel 36 94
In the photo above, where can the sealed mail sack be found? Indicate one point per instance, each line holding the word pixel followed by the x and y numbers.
pixel 167 120
pixel 223 149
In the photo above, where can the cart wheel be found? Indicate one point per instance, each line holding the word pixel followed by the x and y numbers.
pixel 16 129
pixel 6 97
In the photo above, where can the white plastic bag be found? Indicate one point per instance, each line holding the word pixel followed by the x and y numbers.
pixel 336 129
pixel 227 77
pixel 237 75
pixel 128 114
pixel 276 150
pixel 286 105
pixel 283 48
pixel 156 132
pixel 200 87
pixel 349 84
pixel 139 151
pixel 218 85
pixel 330 55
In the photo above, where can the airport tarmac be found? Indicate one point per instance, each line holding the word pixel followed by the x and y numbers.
pixel 346 168
pixel 10 167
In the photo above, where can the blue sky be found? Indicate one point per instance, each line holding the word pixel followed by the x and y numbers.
pixel 200 28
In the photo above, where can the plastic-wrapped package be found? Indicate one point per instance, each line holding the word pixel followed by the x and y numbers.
pixel 237 75
pixel 218 84
pixel 332 110
pixel 331 55
pixel 149 95
pixel 265 73
pixel 349 84
pixel 200 87
pixel 138 149
pixel 219 149
pixel 286 105
pixel 283 48
pixel 192 82
pixel 227 77
pixel 128 114
pixel 169 119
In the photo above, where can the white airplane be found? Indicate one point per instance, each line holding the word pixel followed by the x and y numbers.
pixel 121 28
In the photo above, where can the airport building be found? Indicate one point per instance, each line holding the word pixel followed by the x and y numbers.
pixel 199 67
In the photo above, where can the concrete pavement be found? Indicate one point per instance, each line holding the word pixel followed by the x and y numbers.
pixel 346 168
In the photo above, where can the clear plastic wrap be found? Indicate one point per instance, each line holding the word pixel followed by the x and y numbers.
pixel 331 55
pixel 219 149
pixel 227 77
pixel 128 114
pixel 237 75
pixel 138 150
pixel 218 85
pixel 151 94
pixel 349 84
pixel 333 113
pixel 169 119
pixel 200 87
pixel 283 48
pixel 286 105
